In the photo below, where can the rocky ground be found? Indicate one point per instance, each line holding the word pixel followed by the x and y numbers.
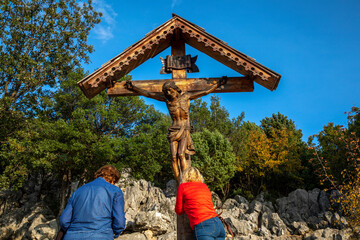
pixel 150 215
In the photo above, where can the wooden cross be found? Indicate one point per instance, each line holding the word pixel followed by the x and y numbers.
pixel 175 33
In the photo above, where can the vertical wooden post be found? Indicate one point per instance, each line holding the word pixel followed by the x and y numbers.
pixel 184 231
pixel 178 49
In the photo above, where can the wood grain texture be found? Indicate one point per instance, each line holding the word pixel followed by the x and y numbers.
pixel 161 38
pixel 234 84
pixel 178 49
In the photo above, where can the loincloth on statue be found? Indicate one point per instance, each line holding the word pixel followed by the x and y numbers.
pixel 176 133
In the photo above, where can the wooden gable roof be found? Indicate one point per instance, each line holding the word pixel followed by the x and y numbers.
pixel 160 39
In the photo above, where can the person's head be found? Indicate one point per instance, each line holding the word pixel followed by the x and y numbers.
pixel 169 88
pixel 191 174
pixel 109 173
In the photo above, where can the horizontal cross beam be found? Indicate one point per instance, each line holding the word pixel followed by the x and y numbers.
pixel 233 84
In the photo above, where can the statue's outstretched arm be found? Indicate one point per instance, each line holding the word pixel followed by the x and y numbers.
pixel 212 88
pixel 131 87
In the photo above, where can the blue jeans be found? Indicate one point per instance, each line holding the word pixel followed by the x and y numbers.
pixel 89 235
pixel 209 230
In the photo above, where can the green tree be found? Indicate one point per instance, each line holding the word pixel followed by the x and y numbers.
pixel 73 136
pixel 331 147
pixel 111 122
pixel 200 116
pixel 215 159
pixel 40 43
pixel 239 137
pixel 147 152
pixel 65 149
pixel 219 117
pixel 216 117
pixel 253 159
pixel 269 157
pixel 280 121
pixel 337 158
pixel 354 121
pixel 289 151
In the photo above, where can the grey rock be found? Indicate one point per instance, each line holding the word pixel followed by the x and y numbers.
pixel 155 221
pixel 241 199
pixel 328 233
pixel 147 208
pixel 132 236
pixel 230 204
pixel 251 237
pixel 313 222
pixel 255 206
pixel 150 214
pixel 216 200
pixel 241 227
pixel 168 236
pixel 300 228
pixel 36 224
pixel 263 231
pixel 324 202
pixel 243 203
pixel 338 221
pixel 171 189
pixel 277 226
pixel 253 217
pixel 234 212
pixel 300 205
pixel 328 216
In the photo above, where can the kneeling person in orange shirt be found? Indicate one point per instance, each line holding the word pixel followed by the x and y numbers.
pixel 194 198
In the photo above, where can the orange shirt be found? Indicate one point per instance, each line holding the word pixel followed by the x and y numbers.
pixel 194 198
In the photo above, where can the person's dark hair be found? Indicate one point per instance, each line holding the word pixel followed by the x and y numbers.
pixel 170 84
pixel 109 173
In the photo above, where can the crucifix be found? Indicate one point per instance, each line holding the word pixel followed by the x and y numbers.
pixel 178 91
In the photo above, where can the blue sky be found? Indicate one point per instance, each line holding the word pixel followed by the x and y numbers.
pixel 314 45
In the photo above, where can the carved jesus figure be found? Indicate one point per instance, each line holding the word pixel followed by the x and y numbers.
pixel 178 104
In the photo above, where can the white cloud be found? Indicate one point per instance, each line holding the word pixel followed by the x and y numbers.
pixel 103 33
pixel 174 3
pixel 104 30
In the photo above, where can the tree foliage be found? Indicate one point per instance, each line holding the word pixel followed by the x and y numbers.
pixel 341 171
pixel 216 117
pixel 267 155
pixel 354 121
pixel 332 148
pixel 214 158
pixel 40 43
pixel 48 126
pixel 73 136
pixel 147 151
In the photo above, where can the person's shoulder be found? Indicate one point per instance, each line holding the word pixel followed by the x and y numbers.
pixel 82 189
pixel 113 188
pixel 192 184
pixel 85 186
pixel 100 182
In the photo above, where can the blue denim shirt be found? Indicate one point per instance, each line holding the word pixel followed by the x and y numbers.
pixel 95 210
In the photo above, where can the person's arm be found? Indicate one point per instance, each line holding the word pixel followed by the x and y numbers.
pixel 118 218
pixel 212 88
pixel 66 216
pixel 131 87
pixel 179 206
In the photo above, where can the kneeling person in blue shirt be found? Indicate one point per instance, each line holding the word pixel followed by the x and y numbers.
pixel 95 210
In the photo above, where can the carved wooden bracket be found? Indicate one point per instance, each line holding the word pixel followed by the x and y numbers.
pixel 178 62
pixel 159 39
